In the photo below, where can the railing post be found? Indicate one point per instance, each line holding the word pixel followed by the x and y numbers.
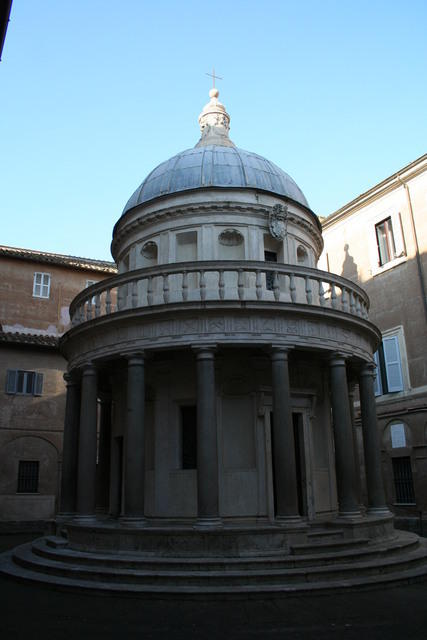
pixel 134 294
pixel 308 294
pixel 334 302
pixel 276 286
pixel 150 290
pixel 258 285
pixel 184 287
pixel 202 285
pixel 322 300
pixel 221 285
pixel 240 287
pixel 108 301
pixel 292 287
pixel 165 288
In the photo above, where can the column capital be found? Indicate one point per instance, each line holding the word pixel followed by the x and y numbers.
pixel 279 352
pixel 368 369
pixel 70 378
pixel 88 369
pixel 338 359
pixel 135 359
pixel 205 352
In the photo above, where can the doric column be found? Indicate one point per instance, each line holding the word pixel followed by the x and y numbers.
pixel 371 446
pixel 134 478
pixel 343 437
pixel 70 446
pixel 86 476
pixel 351 392
pixel 285 479
pixel 103 470
pixel 207 448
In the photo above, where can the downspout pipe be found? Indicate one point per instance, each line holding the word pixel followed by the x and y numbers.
pixel 417 249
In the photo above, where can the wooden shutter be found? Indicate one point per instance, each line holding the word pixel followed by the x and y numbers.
pixel 38 384
pixel 11 377
pixel 378 387
pixel 393 367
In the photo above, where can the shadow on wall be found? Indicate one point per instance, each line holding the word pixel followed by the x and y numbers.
pixel 349 267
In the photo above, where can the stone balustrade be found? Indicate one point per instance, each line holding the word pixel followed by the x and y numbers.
pixel 228 280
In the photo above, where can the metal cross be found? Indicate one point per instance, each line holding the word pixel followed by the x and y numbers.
pixel 213 76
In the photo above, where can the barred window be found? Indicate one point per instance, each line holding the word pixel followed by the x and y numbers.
pixel 28 476
pixel 403 482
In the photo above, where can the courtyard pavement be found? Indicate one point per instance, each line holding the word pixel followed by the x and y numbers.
pixel 38 612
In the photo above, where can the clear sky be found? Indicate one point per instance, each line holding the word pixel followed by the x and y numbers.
pixel 95 93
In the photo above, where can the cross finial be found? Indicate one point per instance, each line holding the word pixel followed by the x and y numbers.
pixel 213 76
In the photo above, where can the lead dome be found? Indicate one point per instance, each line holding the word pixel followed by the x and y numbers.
pixel 215 162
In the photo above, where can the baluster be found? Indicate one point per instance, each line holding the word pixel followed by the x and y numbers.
pixel 333 296
pixel 97 305
pixel 358 308
pixel 365 313
pixel 166 288
pixel 308 293
pixel 221 285
pixel 240 287
pixel 89 309
pixel 74 319
pixel 134 294
pixel 202 285
pixel 276 286
pixel 81 314
pixel 150 290
pixel 322 300
pixel 184 288
pixel 352 303
pixel 120 298
pixel 292 287
pixel 108 302
pixel 344 299
pixel 258 285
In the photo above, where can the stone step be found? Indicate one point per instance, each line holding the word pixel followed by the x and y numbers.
pixel 380 580
pixel 327 546
pixel 48 549
pixel 25 558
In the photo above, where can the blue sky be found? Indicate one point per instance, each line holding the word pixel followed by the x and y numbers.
pixel 95 93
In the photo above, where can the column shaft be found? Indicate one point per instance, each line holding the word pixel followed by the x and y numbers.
pixel 86 477
pixel 70 446
pixel 358 479
pixel 135 441
pixel 207 448
pixel 103 471
pixel 343 436
pixel 285 480
pixel 371 446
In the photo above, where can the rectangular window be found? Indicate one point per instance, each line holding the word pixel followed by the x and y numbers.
pixel 270 256
pixel 24 382
pixel 385 241
pixel 398 438
pixel 189 437
pixel 403 482
pixel 41 285
pixel 389 367
pixel 28 476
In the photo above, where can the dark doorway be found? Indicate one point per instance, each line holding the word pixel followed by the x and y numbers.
pixel 189 437
pixel 300 463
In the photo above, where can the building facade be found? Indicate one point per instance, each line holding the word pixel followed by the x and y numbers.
pixel 379 240
pixel 36 289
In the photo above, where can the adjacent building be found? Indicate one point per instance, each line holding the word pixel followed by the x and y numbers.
pixel 379 240
pixel 36 289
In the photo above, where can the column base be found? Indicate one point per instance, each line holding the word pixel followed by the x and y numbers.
pixel 348 515
pixel 84 518
pixel 214 522
pixel 379 511
pixel 290 521
pixel 133 521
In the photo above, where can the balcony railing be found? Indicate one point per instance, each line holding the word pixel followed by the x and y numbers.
pixel 226 280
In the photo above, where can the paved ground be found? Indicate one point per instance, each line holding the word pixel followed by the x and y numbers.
pixel 38 612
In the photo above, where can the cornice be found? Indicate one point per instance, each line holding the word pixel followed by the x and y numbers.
pixel 392 183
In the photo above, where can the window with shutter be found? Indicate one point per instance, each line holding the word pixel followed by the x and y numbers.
pixel 41 285
pixel 392 362
pixel 24 382
pixel 378 388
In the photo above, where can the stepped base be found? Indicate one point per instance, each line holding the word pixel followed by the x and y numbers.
pixel 229 562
